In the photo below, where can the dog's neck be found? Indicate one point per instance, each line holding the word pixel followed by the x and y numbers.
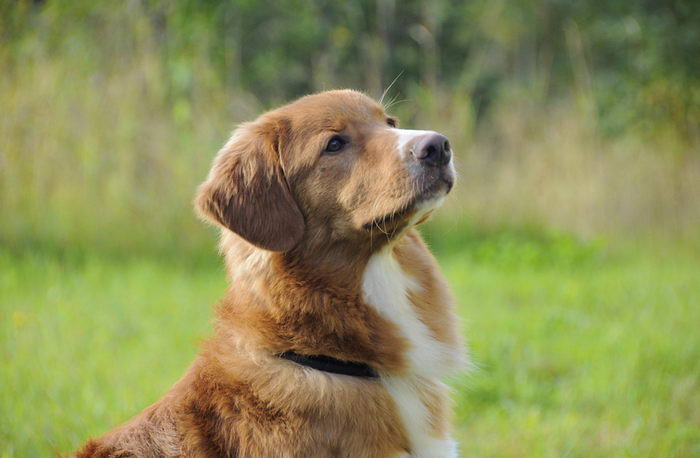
pixel 307 303
pixel 325 264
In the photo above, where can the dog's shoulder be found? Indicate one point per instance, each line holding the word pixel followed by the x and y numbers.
pixel 151 434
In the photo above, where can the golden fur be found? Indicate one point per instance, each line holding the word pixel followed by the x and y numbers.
pixel 298 230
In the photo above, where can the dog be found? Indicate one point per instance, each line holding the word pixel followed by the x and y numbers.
pixel 338 324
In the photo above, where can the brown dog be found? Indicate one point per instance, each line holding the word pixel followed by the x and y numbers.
pixel 338 325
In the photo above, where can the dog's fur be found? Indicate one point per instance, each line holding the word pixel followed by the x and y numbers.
pixel 323 259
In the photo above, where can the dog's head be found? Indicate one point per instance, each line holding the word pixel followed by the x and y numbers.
pixel 328 168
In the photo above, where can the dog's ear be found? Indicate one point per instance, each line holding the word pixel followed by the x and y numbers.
pixel 247 191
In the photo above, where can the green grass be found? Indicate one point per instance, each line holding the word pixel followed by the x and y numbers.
pixel 581 350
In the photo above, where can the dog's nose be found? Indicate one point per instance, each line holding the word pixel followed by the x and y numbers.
pixel 433 150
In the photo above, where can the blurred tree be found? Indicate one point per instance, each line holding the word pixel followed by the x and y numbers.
pixel 635 63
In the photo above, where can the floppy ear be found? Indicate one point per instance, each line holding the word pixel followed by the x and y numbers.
pixel 247 192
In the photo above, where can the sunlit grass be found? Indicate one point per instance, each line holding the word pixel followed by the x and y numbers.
pixel 87 342
pixel 581 360
pixel 580 350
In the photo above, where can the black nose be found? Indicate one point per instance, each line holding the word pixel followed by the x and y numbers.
pixel 433 150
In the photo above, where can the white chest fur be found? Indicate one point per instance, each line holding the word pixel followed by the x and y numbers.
pixel 386 287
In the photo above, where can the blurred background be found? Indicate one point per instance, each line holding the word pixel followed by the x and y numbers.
pixel 572 240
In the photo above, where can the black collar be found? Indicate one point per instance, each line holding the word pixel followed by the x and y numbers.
pixel 328 364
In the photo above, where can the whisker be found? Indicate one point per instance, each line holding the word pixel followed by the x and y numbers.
pixel 381 99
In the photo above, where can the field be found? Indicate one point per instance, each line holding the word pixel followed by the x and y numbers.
pixel 581 349
pixel 571 240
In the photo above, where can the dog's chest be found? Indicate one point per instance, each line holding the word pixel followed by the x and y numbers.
pixel 386 287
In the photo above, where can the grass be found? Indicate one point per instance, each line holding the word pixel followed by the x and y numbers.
pixel 582 350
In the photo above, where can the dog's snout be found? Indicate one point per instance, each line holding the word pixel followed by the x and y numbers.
pixel 433 150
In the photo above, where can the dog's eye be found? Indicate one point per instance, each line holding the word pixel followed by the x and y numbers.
pixel 391 122
pixel 335 144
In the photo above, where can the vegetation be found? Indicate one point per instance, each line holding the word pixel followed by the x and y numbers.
pixel 571 239
pixel 578 116
pixel 578 351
